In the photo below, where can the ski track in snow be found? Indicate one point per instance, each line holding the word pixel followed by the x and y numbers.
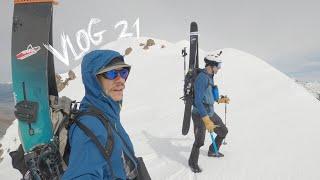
pixel 273 122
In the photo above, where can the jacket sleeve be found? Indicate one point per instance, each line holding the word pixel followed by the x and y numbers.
pixel 200 86
pixel 86 161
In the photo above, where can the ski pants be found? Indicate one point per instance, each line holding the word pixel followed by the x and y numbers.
pixel 200 134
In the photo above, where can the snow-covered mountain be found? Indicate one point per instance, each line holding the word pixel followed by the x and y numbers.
pixel 273 122
pixel 312 87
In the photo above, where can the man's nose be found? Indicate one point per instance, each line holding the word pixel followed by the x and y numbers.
pixel 119 79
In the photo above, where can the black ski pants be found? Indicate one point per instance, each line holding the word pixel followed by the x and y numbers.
pixel 200 134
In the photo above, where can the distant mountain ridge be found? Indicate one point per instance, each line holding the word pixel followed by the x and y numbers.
pixel 312 87
pixel 6 107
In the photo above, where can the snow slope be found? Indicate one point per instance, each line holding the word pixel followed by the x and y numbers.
pixel 273 122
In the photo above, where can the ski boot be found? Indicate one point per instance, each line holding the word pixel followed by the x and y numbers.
pixel 195 168
pixel 217 155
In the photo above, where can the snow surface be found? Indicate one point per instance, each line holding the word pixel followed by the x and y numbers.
pixel 273 122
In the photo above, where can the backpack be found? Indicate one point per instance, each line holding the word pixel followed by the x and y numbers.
pixel 73 118
pixel 191 78
pixel 65 114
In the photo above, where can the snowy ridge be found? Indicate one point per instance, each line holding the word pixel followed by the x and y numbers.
pixel 312 87
pixel 273 121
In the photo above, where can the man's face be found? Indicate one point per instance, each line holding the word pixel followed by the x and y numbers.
pixel 113 88
pixel 212 70
pixel 215 69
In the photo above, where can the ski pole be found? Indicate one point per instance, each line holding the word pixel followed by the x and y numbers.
pixel 184 54
pixel 214 145
pixel 225 121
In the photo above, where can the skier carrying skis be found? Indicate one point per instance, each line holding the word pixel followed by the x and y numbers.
pixel 104 74
pixel 203 115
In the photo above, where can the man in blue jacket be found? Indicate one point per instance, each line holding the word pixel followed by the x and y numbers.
pixel 203 114
pixel 104 74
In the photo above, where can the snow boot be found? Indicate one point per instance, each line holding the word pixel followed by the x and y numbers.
pixel 193 160
pixel 195 168
pixel 217 155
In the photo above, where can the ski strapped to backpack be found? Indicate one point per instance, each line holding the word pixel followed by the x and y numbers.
pixel 34 89
pixel 190 77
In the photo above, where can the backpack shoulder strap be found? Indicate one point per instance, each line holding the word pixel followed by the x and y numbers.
pixel 201 70
pixel 102 117
pixel 105 150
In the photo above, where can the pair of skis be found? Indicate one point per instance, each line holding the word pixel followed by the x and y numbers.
pixel 34 87
pixel 190 77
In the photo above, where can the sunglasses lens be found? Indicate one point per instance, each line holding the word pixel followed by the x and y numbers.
pixel 124 73
pixel 111 74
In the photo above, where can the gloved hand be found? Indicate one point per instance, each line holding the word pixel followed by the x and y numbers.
pixel 224 99
pixel 210 126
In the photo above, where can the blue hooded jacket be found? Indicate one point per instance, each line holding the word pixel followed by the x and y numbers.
pixel 205 93
pixel 86 161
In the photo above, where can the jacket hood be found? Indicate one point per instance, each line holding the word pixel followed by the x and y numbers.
pixel 94 93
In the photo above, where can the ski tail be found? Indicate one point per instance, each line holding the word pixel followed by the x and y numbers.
pixel 186 117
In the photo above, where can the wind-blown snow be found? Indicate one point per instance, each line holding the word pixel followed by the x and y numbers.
pixel 273 122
